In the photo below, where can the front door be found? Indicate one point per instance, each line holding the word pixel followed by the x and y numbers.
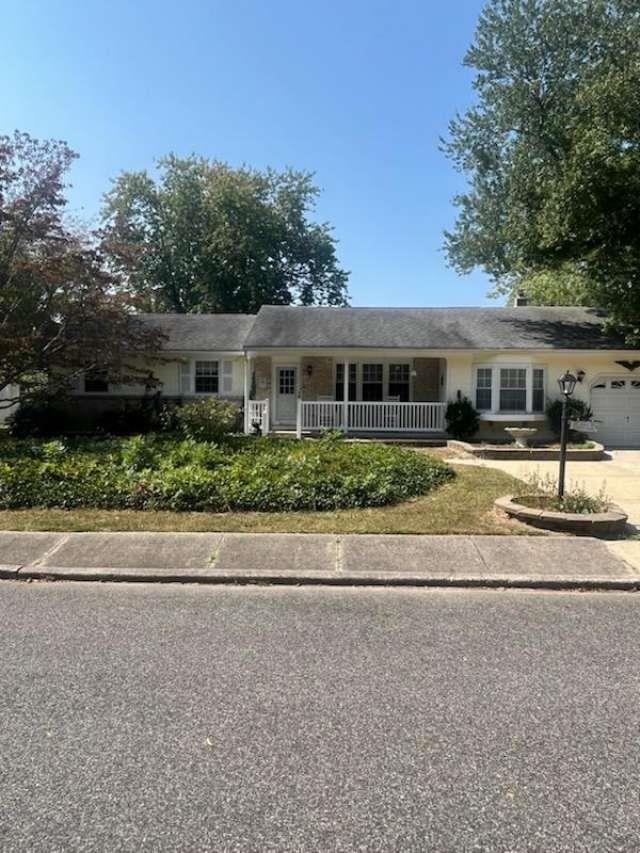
pixel 286 394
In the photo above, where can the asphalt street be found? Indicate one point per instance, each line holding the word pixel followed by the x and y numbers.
pixel 168 717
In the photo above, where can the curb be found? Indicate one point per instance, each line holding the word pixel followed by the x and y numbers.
pixel 627 584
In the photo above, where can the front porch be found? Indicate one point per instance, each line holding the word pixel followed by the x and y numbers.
pixel 399 395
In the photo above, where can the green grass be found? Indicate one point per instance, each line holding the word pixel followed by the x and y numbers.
pixel 464 505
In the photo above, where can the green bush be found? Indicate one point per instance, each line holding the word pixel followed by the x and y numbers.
pixel 157 472
pixel 46 417
pixel 208 419
pixel 462 419
pixel 129 417
pixel 577 410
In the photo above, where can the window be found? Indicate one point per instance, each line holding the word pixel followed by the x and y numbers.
pixel 206 377
pixel 513 389
pixel 484 380
pixel 399 381
pixel 340 381
pixel 537 397
pixel 372 382
pixel 96 382
pixel 287 380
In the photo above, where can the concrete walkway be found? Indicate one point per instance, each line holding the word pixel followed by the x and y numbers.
pixel 619 475
pixel 553 562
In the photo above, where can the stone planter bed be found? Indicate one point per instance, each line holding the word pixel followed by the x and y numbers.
pixel 532 454
pixel 611 523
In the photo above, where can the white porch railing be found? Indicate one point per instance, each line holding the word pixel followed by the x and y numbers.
pixel 371 417
pixel 257 415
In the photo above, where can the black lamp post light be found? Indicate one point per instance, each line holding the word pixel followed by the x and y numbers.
pixel 567 384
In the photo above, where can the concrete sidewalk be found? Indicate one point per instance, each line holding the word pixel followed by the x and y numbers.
pixel 517 561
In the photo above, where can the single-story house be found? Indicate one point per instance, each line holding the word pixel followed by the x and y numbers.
pixel 392 370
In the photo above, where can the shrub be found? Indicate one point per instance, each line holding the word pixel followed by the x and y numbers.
pixel 462 418
pixel 208 419
pixel 265 474
pixel 132 417
pixel 575 499
pixel 577 410
pixel 48 417
pixel 45 418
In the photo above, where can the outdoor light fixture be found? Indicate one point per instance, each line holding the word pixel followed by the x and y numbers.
pixel 567 385
pixel 309 370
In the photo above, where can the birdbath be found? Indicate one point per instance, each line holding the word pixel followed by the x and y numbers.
pixel 521 435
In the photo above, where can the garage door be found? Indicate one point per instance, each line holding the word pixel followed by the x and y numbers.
pixel 615 402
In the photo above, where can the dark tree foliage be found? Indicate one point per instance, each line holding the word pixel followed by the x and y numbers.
pixel 551 150
pixel 60 314
pixel 205 237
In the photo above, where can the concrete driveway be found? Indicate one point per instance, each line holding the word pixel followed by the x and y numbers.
pixel 619 474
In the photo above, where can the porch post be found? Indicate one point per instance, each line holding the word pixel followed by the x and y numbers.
pixel 345 397
pixel 247 393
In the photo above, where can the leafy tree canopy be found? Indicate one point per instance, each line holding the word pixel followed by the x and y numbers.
pixel 59 313
pixel 204 237
pixel 551 149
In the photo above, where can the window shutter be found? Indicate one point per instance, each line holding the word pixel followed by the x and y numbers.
pixel 185 377
pixel 227 377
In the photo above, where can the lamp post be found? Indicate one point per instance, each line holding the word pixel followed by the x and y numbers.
pixel 567 384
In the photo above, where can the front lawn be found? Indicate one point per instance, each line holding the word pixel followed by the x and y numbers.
pixel 463 505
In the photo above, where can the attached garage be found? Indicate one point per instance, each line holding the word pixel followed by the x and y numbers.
pixel 615 402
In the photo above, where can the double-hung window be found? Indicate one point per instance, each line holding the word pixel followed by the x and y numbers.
pixel 510 389
pixel 399 379
pixel 537 394
pixel 372 382
pixel 340 381
pixel 206 377
pixel 484 382
pixel 513 389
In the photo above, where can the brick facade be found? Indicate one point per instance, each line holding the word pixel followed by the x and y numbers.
pixel 321 381
pixel 426 382
pixel 261 388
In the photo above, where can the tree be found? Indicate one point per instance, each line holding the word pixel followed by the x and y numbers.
pixel 59 314
pixel 551 149
pixel 205 237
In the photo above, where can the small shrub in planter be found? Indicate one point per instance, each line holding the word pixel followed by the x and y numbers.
pixel 577 410
pixel 462 418
pixel 208 419
pixel 543 495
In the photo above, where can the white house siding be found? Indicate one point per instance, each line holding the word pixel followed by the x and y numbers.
pixel 461 377
pixel 176 376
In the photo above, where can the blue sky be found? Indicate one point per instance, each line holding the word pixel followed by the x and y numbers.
pixel 357 91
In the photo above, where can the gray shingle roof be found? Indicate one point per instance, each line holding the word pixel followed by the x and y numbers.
pixel 202 331
pixel 431 328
